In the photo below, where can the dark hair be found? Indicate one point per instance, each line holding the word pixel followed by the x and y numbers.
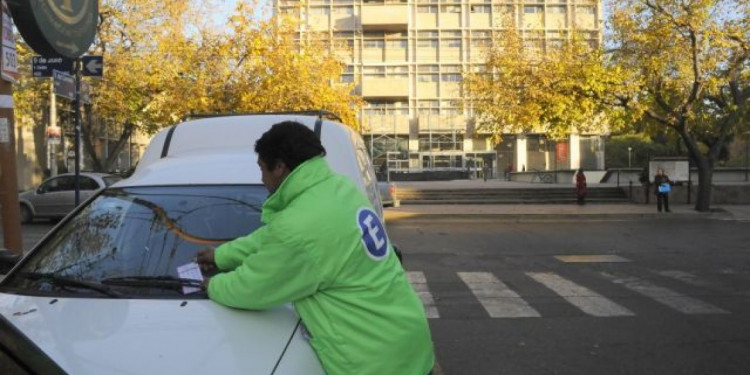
pixel 290 142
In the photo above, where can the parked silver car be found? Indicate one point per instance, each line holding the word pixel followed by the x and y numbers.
pixel 55 196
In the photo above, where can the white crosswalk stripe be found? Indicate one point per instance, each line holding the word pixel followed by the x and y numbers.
pixel 665 296
pixel 685 277
pixel 581 297
pixel 419 283
pixel 497 299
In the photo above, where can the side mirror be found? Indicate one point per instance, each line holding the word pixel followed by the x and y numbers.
pixel 398 254
pixel 8 259
pixel 40 190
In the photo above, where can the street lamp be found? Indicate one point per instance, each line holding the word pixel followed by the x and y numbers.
pixel 629 150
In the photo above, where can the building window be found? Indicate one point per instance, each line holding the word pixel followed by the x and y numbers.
pixel 441 142
pixel 427 43
pixel 450 9
pixel 422 77
pixel 428 69
pixel 556 9
pixel 427 9
pixel 452 69
pixel 396 44
pixel 585 10
pixel 373 44
pixel 531 9
pixel 480 8
pixel 451 78
pixel 451 43
pixel 427 34
pixel 374 71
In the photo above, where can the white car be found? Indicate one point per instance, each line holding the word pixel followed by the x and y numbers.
pixel 100 294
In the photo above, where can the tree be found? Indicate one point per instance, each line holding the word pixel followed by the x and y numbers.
pixel 166 60
pixel 527 89
pixel 686 63
pixel 675 65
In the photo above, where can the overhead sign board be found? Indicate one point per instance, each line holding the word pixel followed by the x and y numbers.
pixel 65 85
pixel 93 66
pixel 56 27
pixel 9 67
pixel 43 66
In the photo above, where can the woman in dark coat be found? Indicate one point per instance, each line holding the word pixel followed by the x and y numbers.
pixel 581 186
pixel 662 197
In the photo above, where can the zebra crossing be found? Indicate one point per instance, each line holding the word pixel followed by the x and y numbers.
pixel 499 300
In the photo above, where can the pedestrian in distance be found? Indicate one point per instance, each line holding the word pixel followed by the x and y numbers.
pixel 662 187
pixel 323 248
pixel 581 188
pixel 486 172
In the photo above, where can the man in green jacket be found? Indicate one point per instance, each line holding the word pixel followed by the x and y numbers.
pixel 323 247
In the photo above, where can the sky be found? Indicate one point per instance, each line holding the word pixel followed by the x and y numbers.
pixel 226 7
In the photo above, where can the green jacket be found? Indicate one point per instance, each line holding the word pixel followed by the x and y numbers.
pixel 324 248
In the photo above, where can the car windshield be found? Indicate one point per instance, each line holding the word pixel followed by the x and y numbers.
pixel 137 233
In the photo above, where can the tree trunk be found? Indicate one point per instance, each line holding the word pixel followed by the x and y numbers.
pixel 127 131
pixel 705 177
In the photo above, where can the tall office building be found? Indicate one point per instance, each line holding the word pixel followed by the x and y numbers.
pixel 407 58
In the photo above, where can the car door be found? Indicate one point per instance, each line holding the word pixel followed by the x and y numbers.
pixel 88 187
pixel 54 197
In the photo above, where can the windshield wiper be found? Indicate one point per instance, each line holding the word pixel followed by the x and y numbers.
pixel 65 281
pixel 164 282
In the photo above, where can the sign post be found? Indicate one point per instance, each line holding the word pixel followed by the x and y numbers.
pixel 11 213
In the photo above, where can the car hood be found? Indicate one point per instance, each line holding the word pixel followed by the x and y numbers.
pixel 120 336
pixel 26 194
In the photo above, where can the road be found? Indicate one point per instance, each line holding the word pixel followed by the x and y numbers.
pixel 664 297
pixel 646 296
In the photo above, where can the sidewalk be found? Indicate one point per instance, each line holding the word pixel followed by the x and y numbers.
pixel 559 211
pixel 625 211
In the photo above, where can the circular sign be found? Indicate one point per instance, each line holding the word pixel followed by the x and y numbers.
pixel 56 27
pixel 374 238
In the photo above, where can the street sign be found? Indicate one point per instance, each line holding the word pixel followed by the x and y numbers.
pixel 57 28
pixel 65 85
pixel 93 66
pixel 43 66
pixel 9 70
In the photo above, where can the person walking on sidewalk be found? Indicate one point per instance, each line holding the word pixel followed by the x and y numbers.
pixel 581 189
pixel 662 187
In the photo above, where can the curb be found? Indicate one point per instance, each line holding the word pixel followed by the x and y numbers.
pixel 394 217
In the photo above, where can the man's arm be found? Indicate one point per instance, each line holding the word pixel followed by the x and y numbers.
pixel 280 271
pixel 230 255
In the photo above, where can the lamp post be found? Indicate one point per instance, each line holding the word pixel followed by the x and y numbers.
pixel 629 150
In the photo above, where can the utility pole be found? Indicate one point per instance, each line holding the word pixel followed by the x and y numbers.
pixel 52 148
pixel 8 178
pixel 77 143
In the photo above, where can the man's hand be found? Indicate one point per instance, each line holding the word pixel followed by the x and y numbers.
pixel 205 259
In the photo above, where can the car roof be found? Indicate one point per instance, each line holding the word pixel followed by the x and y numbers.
pixel 220 150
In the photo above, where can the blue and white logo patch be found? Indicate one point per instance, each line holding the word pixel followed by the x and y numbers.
pixel 373 234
